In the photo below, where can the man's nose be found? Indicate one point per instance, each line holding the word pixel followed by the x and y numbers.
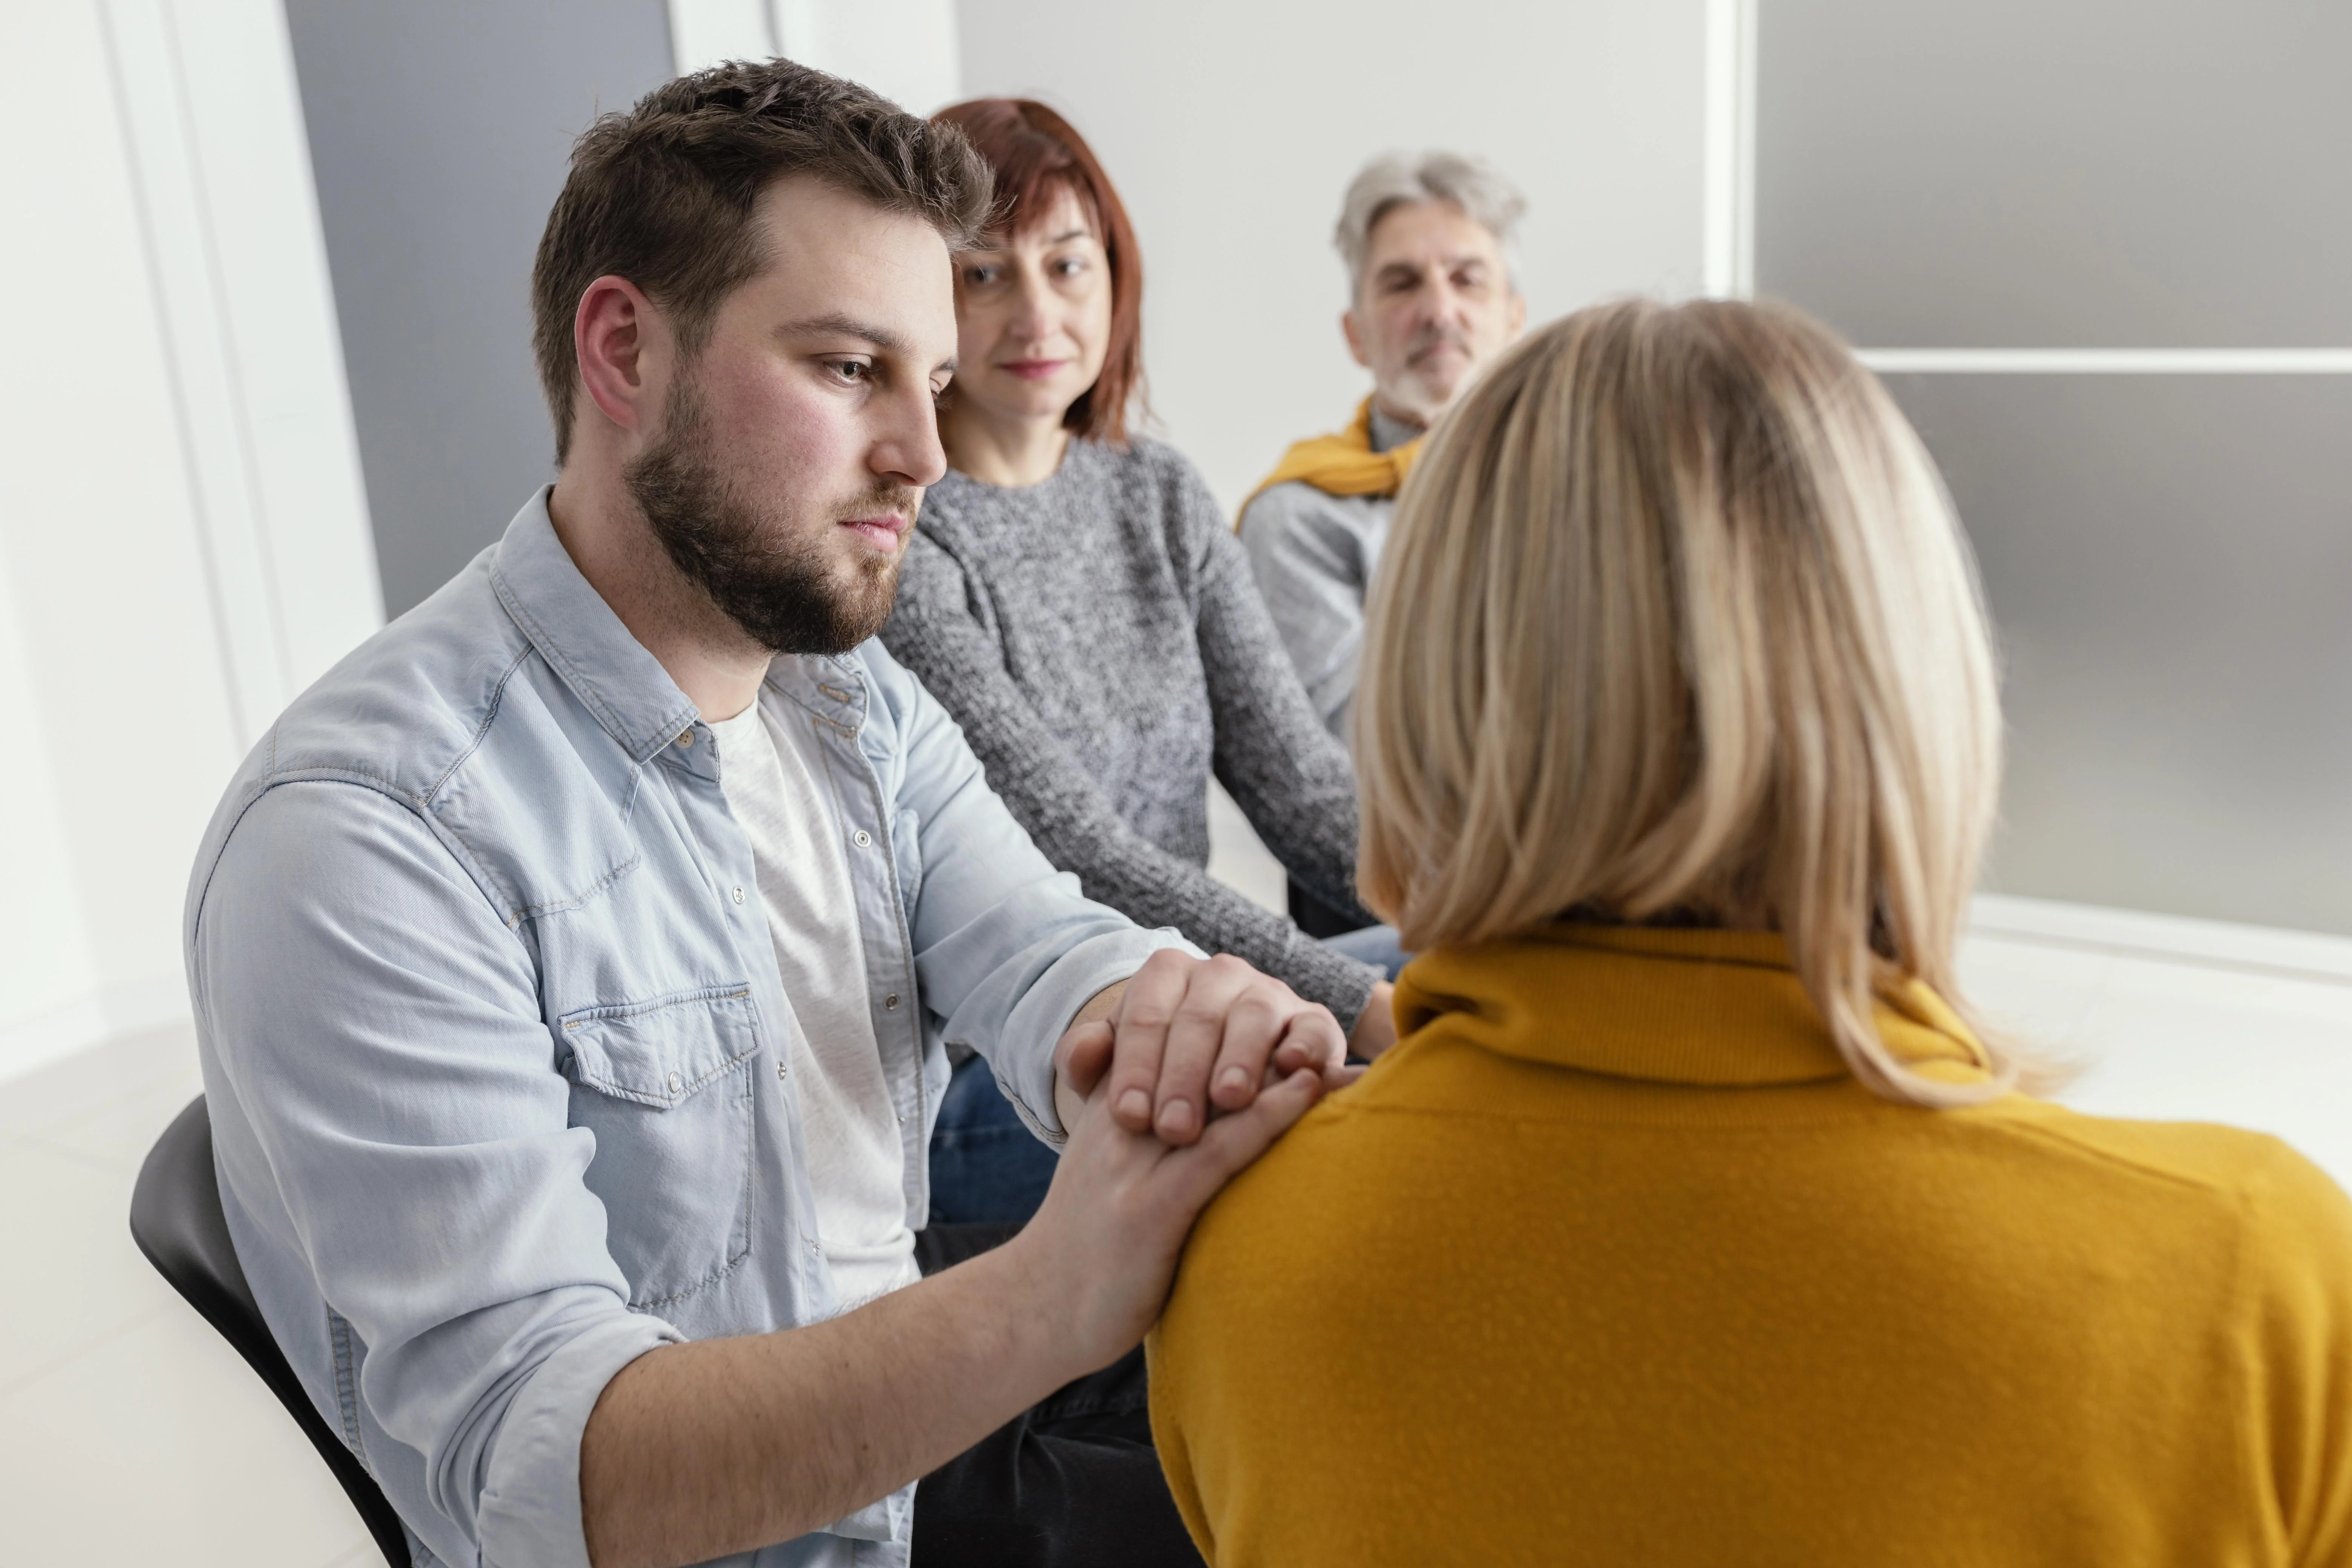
pixel 906 447
pixel 1445 305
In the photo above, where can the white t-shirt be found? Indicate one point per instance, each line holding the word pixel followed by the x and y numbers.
pixel 781 791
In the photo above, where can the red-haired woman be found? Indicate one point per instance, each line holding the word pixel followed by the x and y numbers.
pixel 1076 598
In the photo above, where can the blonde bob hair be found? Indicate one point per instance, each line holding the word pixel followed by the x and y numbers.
pixel 1676 621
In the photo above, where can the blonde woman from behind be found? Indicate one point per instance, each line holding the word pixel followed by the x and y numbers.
pixel 1690 1221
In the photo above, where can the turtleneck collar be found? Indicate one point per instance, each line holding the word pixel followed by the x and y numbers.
pixel 1388 434
pixel 1713 1007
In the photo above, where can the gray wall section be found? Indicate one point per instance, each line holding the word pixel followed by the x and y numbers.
pixel 2131 173
pixel 2168 560
pixel 439 130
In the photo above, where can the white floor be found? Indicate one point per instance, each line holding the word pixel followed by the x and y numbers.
pixel 130 1436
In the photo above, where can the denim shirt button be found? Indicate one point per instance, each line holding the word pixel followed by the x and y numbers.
pixel 738 895
pixel 675 1083
pixel 862 838
pixel 890 1003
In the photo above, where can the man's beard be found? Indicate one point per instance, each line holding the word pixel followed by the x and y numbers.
pixel 1426 397
pixel 760 567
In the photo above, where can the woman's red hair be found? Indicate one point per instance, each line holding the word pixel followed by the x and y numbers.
pixel 1035 155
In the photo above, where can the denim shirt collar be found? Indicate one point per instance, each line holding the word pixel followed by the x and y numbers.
pixel 609 671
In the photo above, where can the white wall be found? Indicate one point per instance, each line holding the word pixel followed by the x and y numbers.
pixel 1230 128
pixel 904 49
pixel 182 544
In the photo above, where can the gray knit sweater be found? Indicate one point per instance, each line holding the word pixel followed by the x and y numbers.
pixel 1100 640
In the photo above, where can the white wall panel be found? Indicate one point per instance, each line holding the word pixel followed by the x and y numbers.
pixel 705 32
pixel 906 51
pixel 45 950
pixel 277 309
pixel 133 484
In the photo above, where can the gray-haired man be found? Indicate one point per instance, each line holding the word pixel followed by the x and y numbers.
pixel 1432 298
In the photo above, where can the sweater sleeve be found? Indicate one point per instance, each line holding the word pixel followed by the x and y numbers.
pixel 935 632
pixel 1310 572
pixel 1291 778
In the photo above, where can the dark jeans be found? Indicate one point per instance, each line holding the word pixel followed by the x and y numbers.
pixel 987 1168
pixel 1319 919
pixel 1071 1482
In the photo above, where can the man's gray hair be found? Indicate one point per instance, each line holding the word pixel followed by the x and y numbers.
pixel 1393 179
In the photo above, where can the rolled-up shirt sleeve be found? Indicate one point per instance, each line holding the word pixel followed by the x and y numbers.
pixel 379 1028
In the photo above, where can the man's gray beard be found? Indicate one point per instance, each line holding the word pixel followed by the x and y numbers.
pixel 777 588
pixel 1421 397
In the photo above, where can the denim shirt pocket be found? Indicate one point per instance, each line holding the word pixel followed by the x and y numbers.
pixel 666 1085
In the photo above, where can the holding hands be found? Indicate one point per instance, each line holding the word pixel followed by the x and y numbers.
pixel 1185 1040
pixel 1169 1086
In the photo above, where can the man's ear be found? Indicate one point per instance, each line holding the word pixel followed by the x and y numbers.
pixel 613 336
pixel 1519 311
pixel 1354 332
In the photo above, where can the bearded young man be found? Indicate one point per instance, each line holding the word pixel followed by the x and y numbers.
pixel 574 965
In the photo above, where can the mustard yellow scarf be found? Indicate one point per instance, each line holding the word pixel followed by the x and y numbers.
pixel 1343 464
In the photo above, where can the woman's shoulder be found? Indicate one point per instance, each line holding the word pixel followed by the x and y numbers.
pixel 2225 1164
pixel 2240 1199
pixel 1157 463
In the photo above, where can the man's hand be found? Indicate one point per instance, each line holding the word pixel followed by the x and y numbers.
pixel 1102 1246
pixel 1184 1040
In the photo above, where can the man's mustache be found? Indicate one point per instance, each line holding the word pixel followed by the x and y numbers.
pixel 902 500
pixel 1430 340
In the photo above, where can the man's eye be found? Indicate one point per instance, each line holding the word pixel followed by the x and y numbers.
pixel 851 369
pixel 979 276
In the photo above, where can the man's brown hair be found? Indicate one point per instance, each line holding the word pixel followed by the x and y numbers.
pixel 663 194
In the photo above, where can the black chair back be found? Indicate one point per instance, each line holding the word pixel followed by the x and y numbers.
pixel 176 1219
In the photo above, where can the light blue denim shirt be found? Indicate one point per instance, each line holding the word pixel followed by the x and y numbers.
pixel 490 1028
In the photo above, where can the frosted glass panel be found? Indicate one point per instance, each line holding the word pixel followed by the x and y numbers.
pixel 2123 173
pixel 2168 560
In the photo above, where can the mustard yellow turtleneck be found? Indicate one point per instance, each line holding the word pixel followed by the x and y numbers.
pixel 1610 1261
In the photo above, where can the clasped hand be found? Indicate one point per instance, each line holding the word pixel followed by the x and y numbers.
pixel 1187 1040
pixel 1168 1087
